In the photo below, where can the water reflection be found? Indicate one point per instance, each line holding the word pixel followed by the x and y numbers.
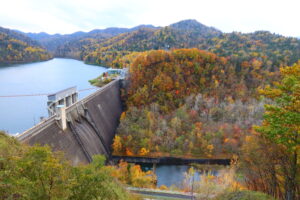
pixel 169 175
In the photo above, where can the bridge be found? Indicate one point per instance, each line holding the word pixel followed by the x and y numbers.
pixel 86 128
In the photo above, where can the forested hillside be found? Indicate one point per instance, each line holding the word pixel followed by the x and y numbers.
pixel 184 34
pixel 189 102
pixel 108 47
pixel 260 48
pixel 193 103
pixel 270 50
pixel 18 48
pixel 68 45
pixel 263 48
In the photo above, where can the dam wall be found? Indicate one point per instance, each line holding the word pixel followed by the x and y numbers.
pixel 91 125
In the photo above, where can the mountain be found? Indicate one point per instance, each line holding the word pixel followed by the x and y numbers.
pixel 38 36
pixel 184 34
pixel 113 31
pixel 18 35
pixel 140 38
pixel 55 41
pixel 16 47
pixel 51 42
pixel 189 32
pixel 263 48
pixel 108 46
pixel 195 27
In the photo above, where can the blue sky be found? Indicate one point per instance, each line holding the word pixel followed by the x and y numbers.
pixel 67 16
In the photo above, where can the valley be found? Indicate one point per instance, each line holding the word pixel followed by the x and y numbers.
pixel 193 92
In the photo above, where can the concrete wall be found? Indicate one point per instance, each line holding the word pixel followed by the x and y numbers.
pixel 90 128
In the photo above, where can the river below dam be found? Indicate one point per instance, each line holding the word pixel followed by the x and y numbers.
pixel 18 114
pixel 177 175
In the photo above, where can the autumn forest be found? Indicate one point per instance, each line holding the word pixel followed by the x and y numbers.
pixel 193 92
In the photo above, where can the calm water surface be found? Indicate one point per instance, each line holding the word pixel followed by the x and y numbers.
pixel 169 175
pixel 20 113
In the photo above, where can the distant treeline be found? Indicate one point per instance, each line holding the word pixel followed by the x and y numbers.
pixel 109 46
pixel 18 48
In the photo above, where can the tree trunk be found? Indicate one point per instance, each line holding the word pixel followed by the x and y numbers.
pixel 291 179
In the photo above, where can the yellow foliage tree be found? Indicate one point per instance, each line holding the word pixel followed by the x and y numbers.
pixel 129 152
pixel 117 145
pixel 123 115
pixel 133 175
pixel 143 151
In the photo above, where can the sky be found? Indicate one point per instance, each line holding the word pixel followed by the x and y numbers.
pixel 68 16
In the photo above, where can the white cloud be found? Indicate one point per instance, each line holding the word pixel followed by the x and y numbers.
pixel 66 16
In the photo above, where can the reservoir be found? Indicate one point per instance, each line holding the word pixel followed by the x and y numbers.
pixel 18 114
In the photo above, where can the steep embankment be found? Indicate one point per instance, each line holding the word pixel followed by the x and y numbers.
pixel 18 48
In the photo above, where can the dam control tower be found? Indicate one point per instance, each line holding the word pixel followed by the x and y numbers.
pixel 64 98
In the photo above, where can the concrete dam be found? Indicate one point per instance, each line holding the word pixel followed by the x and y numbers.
pixel 87 127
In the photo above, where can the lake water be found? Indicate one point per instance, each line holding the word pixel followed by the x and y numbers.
pixel 21 113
